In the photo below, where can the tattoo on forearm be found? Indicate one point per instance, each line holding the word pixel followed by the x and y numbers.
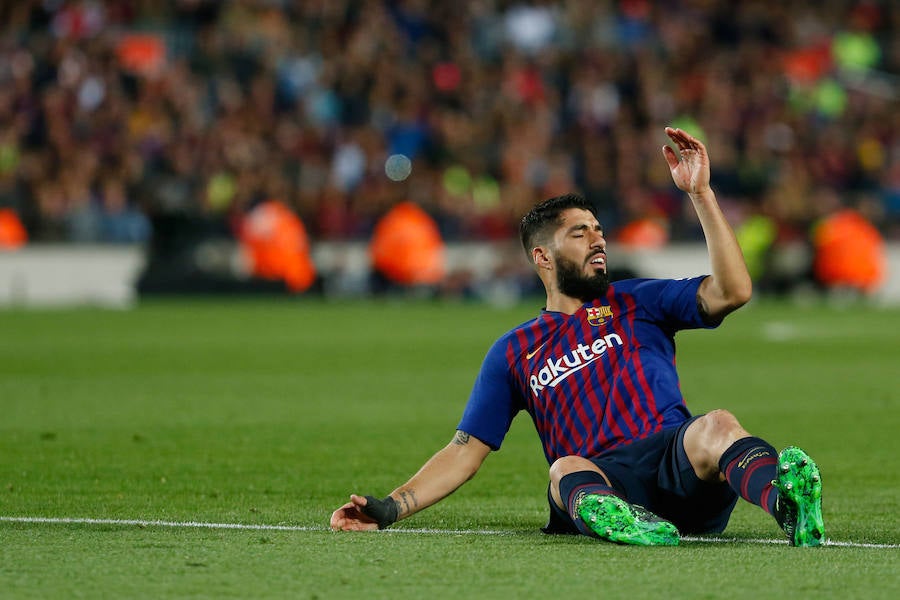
pixel 461 438
pixel 408 498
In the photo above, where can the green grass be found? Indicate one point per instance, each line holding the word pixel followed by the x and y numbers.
pixel 272 412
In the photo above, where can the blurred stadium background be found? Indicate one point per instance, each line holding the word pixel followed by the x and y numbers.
pixel 151 147
pixel 183 147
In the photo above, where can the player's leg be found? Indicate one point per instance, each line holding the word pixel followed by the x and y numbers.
pixel 787 487
pixel 581 489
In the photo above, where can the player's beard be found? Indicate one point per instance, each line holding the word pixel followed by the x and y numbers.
pixel 574 283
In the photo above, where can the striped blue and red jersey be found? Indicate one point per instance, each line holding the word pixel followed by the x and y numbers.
pixel 593 380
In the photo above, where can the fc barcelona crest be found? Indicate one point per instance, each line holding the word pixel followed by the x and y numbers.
pixel 597 315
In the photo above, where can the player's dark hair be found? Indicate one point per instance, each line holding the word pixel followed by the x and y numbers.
pixel 544 218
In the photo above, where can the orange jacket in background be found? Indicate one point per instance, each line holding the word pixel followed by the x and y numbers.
pixel 276 242
pixel 12 232
pixel 849 252
pixel 407 247
pixel 646 233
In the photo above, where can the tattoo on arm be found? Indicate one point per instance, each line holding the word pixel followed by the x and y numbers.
pixel 408 498
pixel 461 438
pixel 703 309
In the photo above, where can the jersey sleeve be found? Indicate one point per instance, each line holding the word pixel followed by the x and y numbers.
pixel 673 301
pixel 494 400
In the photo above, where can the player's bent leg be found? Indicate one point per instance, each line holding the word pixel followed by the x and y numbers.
pixel 799 504
pixel 596 509
pixel 788 485
pixel 720 449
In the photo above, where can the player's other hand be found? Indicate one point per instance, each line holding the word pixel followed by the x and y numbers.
pixel 690 167
pixel 350 517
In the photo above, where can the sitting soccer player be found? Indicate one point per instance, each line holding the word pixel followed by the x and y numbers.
pixel 596 373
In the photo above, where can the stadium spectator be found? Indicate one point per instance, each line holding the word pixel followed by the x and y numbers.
pixel 596 373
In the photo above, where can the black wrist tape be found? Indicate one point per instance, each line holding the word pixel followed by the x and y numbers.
pixel 385 512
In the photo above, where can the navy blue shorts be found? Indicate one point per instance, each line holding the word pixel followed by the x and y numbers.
pixel 655 473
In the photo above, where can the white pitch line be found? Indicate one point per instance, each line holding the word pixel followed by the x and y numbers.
pixel 150 523
pixel 780 542
pixel 316 528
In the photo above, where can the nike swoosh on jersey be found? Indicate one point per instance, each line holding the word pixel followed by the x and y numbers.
pixel 535 351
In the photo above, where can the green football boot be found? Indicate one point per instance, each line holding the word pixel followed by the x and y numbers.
pixel 798 508
pixel 617 521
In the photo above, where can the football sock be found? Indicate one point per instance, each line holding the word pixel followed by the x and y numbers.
pixel 574 486
pixel 749 466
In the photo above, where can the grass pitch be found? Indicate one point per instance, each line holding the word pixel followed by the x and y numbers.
pixel 263 413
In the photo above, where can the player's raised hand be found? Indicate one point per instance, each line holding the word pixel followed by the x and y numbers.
pixel 350 517
pixel 690 167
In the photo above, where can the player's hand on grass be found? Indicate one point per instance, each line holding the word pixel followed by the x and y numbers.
pixel 364 513
pixel 350 517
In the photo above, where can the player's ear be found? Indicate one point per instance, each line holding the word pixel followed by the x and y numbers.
pixel 540 255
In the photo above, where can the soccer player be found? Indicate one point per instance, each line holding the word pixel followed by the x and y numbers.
pixel 596 373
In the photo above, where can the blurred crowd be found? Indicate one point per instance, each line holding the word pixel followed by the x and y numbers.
pixel 115 113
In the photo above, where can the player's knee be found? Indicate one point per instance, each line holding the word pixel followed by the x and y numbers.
pixel 719 420
pixel 569 464
pixel 707 438
pixel 722 426
pixel 717 430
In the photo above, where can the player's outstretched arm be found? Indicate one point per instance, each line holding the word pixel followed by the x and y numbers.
pixel 730 286
pixel 444 472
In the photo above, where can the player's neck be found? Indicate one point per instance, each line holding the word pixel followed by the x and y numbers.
pixel 559 302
